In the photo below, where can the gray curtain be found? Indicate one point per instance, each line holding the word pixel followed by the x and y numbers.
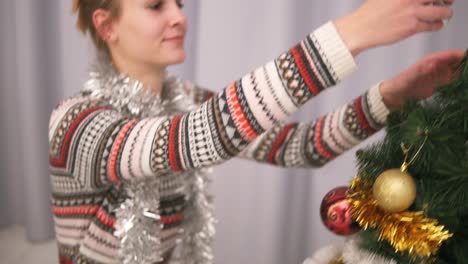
pixel 266 214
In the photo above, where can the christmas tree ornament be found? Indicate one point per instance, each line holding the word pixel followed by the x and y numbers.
pixel 394 190
pixel 335 212
pixel 409 232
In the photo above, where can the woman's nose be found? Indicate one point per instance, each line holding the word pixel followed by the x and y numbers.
pixel 177 16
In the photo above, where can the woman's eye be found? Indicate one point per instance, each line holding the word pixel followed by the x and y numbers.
pixel 180 4
pixel 156 6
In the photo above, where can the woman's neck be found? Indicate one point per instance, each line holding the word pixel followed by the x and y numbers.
pixel 151 77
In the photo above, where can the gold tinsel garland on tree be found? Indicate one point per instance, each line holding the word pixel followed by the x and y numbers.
pixel 406 231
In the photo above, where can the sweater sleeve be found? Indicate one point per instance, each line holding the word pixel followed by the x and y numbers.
pixel 98 144
pixel 316 143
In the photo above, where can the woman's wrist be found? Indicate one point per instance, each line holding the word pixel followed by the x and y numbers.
pixel 391 100
pixel 376 106
pixel 352 34
pixel 334 51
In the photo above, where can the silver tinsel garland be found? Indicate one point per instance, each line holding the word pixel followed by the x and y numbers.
pixel 138 223
pixel 201 230
pixel 138 217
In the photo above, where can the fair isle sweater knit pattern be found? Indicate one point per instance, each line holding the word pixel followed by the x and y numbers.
pixel 93 146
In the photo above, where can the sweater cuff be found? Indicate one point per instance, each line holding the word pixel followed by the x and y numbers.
pixel 334 51
pixel 377 107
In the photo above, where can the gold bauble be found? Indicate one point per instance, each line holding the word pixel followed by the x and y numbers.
pixel 394 190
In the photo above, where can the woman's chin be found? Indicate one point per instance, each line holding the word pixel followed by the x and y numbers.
pixel 177 59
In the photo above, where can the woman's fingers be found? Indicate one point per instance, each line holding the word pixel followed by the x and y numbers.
pixel 383 22
pixel 420 80
pixel 448 2
pixel 445 64
pixel 451 57
pixel 429 26
pixel 430 14
pixel 436 2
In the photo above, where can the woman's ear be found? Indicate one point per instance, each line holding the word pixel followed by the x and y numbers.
pixel 104 27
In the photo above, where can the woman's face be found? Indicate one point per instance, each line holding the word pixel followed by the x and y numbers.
pixel 150 32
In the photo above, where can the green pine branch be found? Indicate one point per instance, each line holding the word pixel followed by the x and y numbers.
pixel 440 170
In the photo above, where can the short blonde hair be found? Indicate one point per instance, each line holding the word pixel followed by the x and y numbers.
pixel 85 10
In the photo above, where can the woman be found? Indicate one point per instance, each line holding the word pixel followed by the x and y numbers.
pixel 128 154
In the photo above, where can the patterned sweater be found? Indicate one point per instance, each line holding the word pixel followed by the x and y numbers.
pixel 93 146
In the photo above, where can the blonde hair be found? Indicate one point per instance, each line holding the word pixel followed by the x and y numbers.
pixel 85 10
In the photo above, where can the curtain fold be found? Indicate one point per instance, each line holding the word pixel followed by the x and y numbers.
pixel 266 214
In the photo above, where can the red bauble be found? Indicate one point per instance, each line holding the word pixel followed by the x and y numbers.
pixel 335 212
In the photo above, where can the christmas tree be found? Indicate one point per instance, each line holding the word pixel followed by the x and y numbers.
pixel 425 157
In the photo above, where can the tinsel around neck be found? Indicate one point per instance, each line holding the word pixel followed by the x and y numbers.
pixel 130 96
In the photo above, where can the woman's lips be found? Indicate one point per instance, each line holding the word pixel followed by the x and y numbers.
pixel 175 39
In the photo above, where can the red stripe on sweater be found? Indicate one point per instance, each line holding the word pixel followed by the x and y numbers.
pixel 301 65
pixel 172 146
pixel 318 140
pixel 71 130
pixel 279 141
pixel 166 220
pixel 208 95
pixel 246 131
pixel 76 210
pixel 113 156
pixel 105 218
pixel 95 210
pixel 361 118
pixel 65 260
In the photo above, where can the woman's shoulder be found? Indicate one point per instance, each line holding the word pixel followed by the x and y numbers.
pixel 79 100
pixel 72 100
pixel 73 106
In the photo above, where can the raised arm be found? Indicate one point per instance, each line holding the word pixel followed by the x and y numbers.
pixel 104 145
pixel 97 144
pixel 316 143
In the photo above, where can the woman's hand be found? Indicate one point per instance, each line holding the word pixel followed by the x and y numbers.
pixel 421 79
pixel 382 22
